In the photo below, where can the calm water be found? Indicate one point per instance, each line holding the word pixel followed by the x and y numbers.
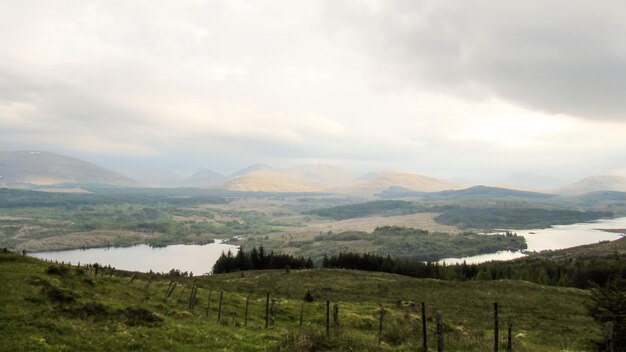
pixel 556 237
pixel 198 259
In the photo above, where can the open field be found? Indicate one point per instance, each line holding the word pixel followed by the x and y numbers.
pixel 71 309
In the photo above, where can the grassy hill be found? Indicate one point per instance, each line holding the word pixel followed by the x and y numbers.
pixel 59 307
pixel 48 169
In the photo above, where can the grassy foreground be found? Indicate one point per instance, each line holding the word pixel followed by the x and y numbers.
pixel 62 308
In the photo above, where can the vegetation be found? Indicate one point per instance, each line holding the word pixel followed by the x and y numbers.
pixel 508 215
pixel 258 260
pixel 406 242
pixel 74 310
pixel 380 207
pixel 515 218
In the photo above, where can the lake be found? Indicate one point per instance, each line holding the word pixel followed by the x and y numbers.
pixel 198 259
pixel 555 237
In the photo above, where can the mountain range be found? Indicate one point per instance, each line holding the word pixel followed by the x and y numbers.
pixel 38 169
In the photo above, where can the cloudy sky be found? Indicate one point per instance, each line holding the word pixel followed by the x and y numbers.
pixel 467 89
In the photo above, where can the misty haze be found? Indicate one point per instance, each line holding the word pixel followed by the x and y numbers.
pixel 312 175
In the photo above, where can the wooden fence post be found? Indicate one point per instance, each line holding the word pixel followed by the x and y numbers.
pixel 301 313
pixel 267 310
pixel 327 318
pixel 219 309
pixel 495 327
pixel 380 324
pixel 273 311
pixel 192 297
pixel 245 319
pixel 171 289
pixel 181 293
pixel 132 278
pixel 424 341
pixel 509 340
pixel 167 290
pixel 439 332
pixel 336 318
pixel 149 282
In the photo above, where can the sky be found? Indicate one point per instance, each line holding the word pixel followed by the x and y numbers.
pixel 454 89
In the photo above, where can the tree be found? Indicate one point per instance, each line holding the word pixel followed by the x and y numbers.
pixel 608 305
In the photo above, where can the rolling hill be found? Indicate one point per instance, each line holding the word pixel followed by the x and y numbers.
pixel 269 181
pixel 595 184
pixel 205 178
pixel 375 183
pixel 35 168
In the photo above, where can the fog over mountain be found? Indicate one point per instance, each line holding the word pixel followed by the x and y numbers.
pixel 447 89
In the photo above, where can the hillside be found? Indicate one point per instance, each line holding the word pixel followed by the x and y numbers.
pixel 47 169
pixel 269 181
pixel 205 178
pixel 323 174
pixel 57 307
pixel 595 184
pixel 484 192
pixel 378 182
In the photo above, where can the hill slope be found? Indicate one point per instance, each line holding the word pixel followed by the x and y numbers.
pixel 381 181
pixel 595 184
pixel 48 169
pixel 67 308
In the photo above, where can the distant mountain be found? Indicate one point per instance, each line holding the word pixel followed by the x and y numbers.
pixel 374 183
pixel 595 184
pixel 249 169
pixel 484 192
pixel 269 181
pixel 47 169
pixel 323 174
pixel 205 178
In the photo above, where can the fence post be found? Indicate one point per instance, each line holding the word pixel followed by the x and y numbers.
pixel 273 311
pixel 424 341
pixel 495 327
pixel 245 316
pixel 336 318
pixel 327 317
pixel 267 310
pixel 219 309
pixel 301 312
pixel 509 340
pixel 439 332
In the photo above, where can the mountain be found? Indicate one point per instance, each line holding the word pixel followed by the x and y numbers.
pixel 323 174
pixel 47 169
pixel 249 169
pixel 374 183
pixel 595 184
pixel 484 192
pixel 205 178
pixel 269 181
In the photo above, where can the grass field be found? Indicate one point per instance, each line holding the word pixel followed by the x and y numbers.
pixel 70 309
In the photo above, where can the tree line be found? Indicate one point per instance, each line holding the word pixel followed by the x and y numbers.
pixel 258 259
pixel 573 272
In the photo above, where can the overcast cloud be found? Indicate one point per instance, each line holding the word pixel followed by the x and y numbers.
pixel 443 88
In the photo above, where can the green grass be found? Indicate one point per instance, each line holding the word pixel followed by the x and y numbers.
pixel 77 311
